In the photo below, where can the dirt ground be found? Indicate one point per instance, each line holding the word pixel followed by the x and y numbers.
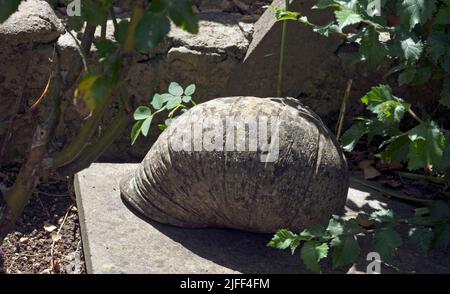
pixel 47 238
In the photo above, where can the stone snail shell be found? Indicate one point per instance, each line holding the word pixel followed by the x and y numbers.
pixel 282 169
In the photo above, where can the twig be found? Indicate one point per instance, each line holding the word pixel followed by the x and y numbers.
pixel 412 176
pixel 82 51
pixel 52 249
pixel 343 109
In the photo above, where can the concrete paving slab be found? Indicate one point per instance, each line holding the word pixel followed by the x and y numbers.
pixel 115 240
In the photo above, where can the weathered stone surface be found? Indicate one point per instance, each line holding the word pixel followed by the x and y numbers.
pixel 25 49
pixel 301 180
pixel 34 22
pixel 313 71
pixel 117 241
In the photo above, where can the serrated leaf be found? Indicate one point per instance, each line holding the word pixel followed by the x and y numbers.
pixel 346 17
pixel 351 137
pixel 142 112
pixel 422 238
pixel 317 231
pixel 386 241
pixel 413 12
pixel 312 253
pixel 397 149
pixel 345 250
pixel 282 239
pixel 426 148
pixel 412 50
pixel 373 50
pixel 383 216
pixel 327 29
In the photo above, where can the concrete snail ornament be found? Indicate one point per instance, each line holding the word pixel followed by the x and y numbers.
pixel 245 163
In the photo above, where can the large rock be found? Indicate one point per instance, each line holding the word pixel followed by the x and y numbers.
pixel 293 178
pixel 26 45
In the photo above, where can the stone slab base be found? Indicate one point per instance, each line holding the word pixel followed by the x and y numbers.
pixel 115 240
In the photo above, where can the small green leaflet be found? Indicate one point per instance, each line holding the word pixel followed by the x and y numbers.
pixel 175 89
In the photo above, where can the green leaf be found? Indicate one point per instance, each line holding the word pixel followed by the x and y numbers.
pixel 407 76
pixel 312 253
pixel 335 227
pixel 190 90
pixel 445 95
pixel 439 43
pixel 422 238
pixel 92 89
pixel 283 239
pixel 412 50
pixel 173 102
pixel 327 29
pixel 282 14
pixel 121 31
pixel 151 30
pixel 383 216
pixel 386 241
pixel 186 99
pixel 181 13
pixel 413 12
pixel 427 146
pixel 351 137
pixel 372 48
pixel 175 89
pixel 397 149
pixel 146 126
pixel 443 16
pixel 388 108
pixel 346 17
pixel 8 7
pixel 158 101
pixel 441 238
pixel 136 131
pixel 142 112
pixel 317 231
pixel 345 250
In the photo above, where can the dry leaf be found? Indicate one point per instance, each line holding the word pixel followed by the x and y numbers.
pixel 369 171
pixel 55 236
pixel 47 271
pixel 23 240
pixel 364 221
pixel 49 227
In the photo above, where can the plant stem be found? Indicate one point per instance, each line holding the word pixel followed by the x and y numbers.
pixel 282 54
pixel 412 176
pixel 415 116
pixel 28 177
pixel 343 109
pixel 94 150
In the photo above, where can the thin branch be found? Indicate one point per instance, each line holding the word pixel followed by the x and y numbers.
pixel 343 109
pixel 282 55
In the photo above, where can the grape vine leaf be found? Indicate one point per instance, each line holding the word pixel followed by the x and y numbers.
pixel 414 12
pixel 386 241
pixel 312 253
